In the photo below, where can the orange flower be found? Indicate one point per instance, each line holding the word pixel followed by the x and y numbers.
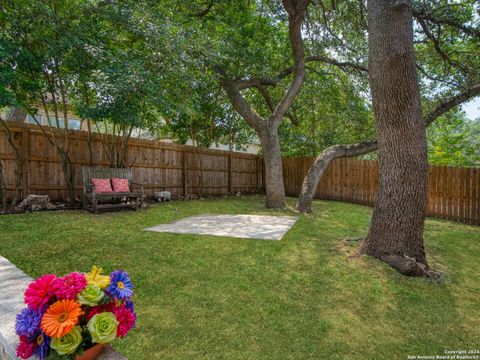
pixel 60 318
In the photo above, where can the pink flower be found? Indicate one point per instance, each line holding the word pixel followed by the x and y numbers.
pixel 125 318
pixel 40 291
pixel 71 285
pixel 25 348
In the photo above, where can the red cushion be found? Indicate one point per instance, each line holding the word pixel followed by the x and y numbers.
pixel 120 185
pixel 102 185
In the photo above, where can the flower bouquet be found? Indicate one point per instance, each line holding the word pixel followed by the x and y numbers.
pixel 66 316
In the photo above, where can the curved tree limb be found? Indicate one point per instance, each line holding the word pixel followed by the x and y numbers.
pixel 316 171
pixel 239 103
pixel 451 103
pixel 267 128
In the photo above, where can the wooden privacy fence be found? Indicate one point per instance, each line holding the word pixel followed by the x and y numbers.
pixel 159 166
pixel 453 192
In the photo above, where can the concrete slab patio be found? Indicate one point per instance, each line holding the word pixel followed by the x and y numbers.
pixel 238 226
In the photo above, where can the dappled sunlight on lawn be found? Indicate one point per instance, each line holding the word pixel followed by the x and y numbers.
pixel 213 297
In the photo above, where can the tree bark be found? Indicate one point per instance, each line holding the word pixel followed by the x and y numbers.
pixel 275 189
pixel 267 128
pixel 89 126
pixel 396 230
pixel 18 171
pixel 316 171
pixel 3 190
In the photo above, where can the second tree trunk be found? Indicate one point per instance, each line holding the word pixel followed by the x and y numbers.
pixel 396 231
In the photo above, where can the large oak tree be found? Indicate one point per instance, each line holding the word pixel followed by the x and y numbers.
pixel 445 40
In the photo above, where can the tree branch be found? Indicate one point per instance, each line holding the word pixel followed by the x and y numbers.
pixel 203 12
pixel 239 103
pixel 421 14
pixel 268 99
pixel 344 65
pixel 296 10
pixel 451 103
pixel 438 48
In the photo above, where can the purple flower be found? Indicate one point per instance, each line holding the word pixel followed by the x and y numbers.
pixel 43 345
pixel 120 285
pixel 28 322
pixel 129 306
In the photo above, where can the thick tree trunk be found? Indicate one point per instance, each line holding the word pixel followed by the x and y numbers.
pixel 396 231
pixel 267 129
pixel 275 190
pixel 316 171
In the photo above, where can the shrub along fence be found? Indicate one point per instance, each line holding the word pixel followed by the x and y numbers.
pixel 453 192
pixel 159 166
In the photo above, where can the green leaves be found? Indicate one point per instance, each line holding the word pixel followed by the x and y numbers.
pixel 454 140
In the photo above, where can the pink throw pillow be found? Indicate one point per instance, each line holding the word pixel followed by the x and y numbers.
pixel 102 186
pixel 120 185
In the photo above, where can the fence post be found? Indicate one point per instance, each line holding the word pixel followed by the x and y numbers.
pixel 259 171
pixel 25 161
pixel 184 174
pixel 230 185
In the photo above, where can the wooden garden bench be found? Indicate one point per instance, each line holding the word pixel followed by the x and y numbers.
pixel 111 200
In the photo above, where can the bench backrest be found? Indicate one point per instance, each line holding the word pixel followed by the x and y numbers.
pixel 90 173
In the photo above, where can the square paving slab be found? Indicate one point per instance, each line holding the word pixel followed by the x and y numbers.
pixel 238 226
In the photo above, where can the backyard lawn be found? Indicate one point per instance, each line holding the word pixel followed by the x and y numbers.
pixel 206 297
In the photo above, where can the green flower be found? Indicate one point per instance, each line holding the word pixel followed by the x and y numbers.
pixel 69 343
pixel 90 296
pixel 103 328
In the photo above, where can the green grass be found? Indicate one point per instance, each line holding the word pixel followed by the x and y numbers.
pixel 202 297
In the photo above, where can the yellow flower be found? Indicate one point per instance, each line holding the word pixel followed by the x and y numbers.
pixel 95 278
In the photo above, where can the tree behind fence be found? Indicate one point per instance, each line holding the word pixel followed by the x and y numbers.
pixel 159 166
pixel 453 192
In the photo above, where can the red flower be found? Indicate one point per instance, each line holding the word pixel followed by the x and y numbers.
pixel 100 309
pixel 125 318
pixel 25 348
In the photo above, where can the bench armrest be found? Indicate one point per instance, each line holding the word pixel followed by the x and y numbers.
pixel 137 185
pixel 90 188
